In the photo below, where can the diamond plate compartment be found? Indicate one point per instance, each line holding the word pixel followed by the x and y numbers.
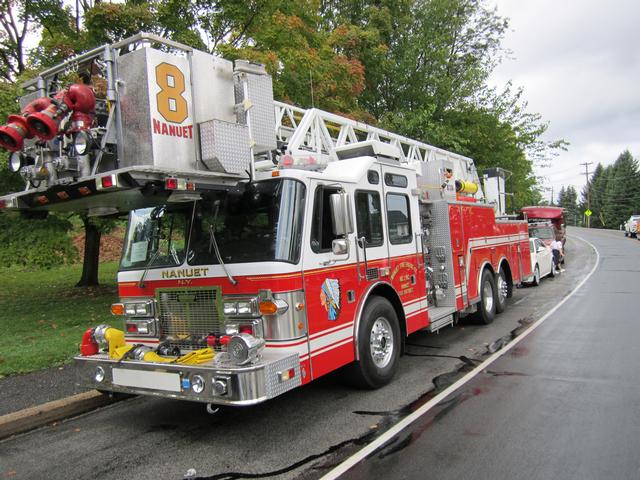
pixel 441 244
pixel 225 147
pixel 271 370
pixel 261 115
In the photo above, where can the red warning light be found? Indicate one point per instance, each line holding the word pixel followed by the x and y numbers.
pixel 171 184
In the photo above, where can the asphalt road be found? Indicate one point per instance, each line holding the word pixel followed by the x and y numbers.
pixel 301 434
pixel 563 403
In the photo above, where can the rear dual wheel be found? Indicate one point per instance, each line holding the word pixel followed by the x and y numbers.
pixel 503 291
pixel 488 298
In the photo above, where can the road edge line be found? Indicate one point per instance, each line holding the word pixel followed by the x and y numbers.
pixel 383 439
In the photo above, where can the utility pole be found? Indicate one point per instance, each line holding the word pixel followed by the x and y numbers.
pixel 551 202
pixel 586 173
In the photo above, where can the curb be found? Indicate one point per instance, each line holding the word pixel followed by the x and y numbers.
pixel 34 417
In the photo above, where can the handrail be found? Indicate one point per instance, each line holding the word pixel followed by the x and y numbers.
pixel 104 50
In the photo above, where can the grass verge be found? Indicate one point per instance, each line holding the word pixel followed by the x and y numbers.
pixel 43 315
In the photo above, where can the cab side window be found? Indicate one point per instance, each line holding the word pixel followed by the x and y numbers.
pixel 398 218
pixel 369 217
pixel 322 230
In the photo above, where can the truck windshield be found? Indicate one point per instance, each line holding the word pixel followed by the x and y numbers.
pixel 156 237
pixel 256 222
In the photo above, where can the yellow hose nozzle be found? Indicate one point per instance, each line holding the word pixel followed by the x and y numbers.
pixel 463 186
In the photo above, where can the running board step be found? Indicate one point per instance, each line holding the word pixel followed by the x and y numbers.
pixel 441 322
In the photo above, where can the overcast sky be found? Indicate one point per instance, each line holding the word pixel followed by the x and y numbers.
pixel 579 64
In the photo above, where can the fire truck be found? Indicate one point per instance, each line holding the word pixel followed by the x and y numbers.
pixel 267 245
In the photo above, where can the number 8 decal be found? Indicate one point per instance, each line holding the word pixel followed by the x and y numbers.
pixel 171 104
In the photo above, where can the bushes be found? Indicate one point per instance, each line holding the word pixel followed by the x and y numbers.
pixel 35 243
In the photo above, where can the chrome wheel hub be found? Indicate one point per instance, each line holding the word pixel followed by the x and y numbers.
pixel 488 296
pixel 503 288
pixel 381 342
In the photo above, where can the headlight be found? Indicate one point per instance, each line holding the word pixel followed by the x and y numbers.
pixel 142 309
pixel 136 309
pixel 244 348
pixel 197 384
pixel 99 375
pixel 230 308
pixel 15 161
pixel 241 307
pixel 81 143
pixel 245 308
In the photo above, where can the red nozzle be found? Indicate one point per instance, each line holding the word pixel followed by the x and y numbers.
pixel 80 98
pixel 17 129
pixel 36 105
pixel 12 134
pixel 88 346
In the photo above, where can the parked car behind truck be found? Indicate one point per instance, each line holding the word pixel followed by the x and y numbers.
pixel 631 226
pixel 541 261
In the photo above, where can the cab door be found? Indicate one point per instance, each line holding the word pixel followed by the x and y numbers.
pixel 330 284
pixel 404 245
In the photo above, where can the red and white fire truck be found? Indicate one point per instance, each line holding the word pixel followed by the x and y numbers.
pixel 267 245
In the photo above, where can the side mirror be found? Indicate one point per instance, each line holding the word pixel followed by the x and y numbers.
pixel 340 246
pixel 541 249
pixel 341 214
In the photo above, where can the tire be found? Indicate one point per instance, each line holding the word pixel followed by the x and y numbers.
pixel 378 346
pixel 503 291
pixel 488 298
pixel 536 276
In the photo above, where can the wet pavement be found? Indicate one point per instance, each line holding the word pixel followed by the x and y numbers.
pixel 564 403
pixel 301 434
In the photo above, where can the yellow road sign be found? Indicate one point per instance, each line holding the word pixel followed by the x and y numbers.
pixel 588 212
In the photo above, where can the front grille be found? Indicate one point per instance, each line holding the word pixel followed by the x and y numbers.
pixel 188 316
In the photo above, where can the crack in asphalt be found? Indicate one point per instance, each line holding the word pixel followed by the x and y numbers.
pixel 362 440
pixel 506 374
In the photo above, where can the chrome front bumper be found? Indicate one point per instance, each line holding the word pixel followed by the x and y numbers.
pixel 246 385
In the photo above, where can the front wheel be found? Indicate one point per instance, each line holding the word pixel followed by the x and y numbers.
pixel 378 345
pixel 488 298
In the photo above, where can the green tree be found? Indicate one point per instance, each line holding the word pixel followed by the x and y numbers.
pixel 568 199
pixel 594 195
pixel 622 193
pixel 40 243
